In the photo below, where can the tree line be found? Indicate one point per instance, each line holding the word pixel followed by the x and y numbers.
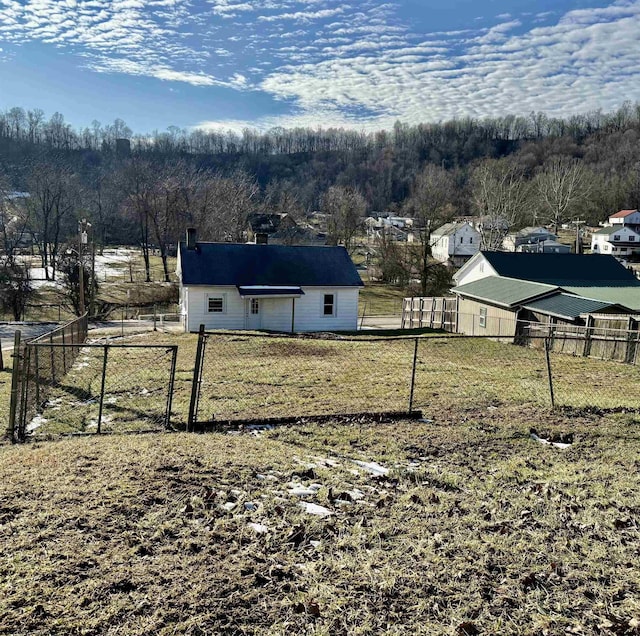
pixel 512 171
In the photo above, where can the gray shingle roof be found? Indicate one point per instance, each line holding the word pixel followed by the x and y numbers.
pixel 279 265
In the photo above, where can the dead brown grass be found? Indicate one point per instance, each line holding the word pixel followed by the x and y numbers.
pixel 476 528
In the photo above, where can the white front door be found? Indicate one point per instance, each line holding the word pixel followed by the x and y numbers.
pixel 253 313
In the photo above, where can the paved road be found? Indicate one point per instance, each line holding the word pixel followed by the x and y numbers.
pixel 381 322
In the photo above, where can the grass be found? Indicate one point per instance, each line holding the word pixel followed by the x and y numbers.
pixel 248 377
pixel 476 528
pixel 379 299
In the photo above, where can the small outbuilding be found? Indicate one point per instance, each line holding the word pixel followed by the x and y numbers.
pixel 267 287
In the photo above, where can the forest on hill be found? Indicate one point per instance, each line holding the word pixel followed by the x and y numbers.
pixel 147 189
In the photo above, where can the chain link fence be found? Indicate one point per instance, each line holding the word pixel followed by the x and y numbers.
pixel 63 385
pixel 29 364
pixel 256 377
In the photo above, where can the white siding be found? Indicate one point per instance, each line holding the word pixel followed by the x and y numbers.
pixel 309 308
pixel 197 310
pixel 275 313
pixel 478 267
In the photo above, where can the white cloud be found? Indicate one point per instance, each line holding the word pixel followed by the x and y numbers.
pixel 347 62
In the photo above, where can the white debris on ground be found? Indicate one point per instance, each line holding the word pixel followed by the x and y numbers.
pixel 260 528
pixel 315 509
pixel 93 422
pixel 299 490
pixel 36 423
pixel 541 440
pixel 372 467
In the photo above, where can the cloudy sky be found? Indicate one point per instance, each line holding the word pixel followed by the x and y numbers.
pixel 357 63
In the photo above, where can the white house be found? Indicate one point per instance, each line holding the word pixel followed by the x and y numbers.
pixel 620 237
pixel 269 287
pixel 625 217
pixel 456 242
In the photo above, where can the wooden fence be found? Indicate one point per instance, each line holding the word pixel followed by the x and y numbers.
pixel 432 312
pixel 604 336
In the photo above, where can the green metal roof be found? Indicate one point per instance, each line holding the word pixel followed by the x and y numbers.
pixel 567 307
pixel 625 296
pixel 506 292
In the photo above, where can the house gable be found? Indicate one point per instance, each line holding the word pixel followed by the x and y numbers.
pixel 476 268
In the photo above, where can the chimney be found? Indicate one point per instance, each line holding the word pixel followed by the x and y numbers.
pixel 191 238
pixel 262 238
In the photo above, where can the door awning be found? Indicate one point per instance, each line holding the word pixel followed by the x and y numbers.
pixel 269 291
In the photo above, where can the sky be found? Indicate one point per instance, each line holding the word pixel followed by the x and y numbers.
pixel 361 64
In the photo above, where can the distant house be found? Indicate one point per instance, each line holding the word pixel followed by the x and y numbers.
pixel 272 287
pixel 397 228
pixel 528 236
pixel 455 242
pixel 545 247
pixel 495 289
pixel 620 237
pixel 268 224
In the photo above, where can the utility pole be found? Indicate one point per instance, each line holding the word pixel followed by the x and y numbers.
pixel 578 223
pixel 83 225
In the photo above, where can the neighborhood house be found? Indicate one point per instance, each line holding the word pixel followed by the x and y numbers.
pixel 620 237
pixel 455 242
pixel 270 287
pixel 496 289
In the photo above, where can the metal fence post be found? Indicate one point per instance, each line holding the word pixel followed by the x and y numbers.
pixel 413 374
pixel 15 384
pixel 104 377
pixel 549 374
pixel 24 407
pixel 37 365
pixel 172 378
pixel 53 359
pixel 197 379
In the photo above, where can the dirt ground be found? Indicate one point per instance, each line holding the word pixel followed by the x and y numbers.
pixel 463 525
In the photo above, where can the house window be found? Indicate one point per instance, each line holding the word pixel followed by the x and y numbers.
pixel 616 237
pixel 471 240
pixel 255 306
pixel 632 238
pixel 483 317
pixel 461 239
pixel 329 306
pixel 216 304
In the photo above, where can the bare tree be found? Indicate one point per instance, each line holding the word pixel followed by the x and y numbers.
pixel 500 196
pixel 53 199
pixel 430 205
pixel 345 208
pixel 561 187
pixel 221 204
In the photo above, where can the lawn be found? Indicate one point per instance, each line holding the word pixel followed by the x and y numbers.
pixel 377 299
pixel 460 526
pixel 249 377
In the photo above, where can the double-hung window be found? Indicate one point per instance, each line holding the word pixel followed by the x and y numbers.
pixel 329 305
pixel 483 317
pixel 216 304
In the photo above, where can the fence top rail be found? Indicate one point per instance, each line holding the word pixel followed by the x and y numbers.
pixel 339 338
pixel 326 337
pixel 96 345
pixel 59 329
